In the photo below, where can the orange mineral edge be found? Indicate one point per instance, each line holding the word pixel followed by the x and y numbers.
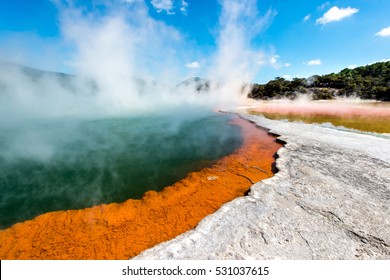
pixel 121 231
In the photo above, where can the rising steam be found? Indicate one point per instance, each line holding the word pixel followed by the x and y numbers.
pixel 126 62
pixel 236 62
pixel 121 110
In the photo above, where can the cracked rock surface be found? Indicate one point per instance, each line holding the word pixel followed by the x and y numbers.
pixel 329 200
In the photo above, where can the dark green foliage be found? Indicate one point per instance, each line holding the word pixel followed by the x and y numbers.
pixel 367 82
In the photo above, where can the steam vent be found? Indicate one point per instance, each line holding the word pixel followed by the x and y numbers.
pixel 121 231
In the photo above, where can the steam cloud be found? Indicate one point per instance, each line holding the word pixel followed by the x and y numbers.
pixel 125 67
pixel 236 61
pixel 126 62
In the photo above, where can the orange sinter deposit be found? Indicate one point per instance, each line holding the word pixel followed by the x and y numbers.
pixel 121 231
pixel 326 107
pixel 360 115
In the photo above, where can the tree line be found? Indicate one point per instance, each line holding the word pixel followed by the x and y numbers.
pixel 366 82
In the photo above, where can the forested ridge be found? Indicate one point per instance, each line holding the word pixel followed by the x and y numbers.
pixel 366 82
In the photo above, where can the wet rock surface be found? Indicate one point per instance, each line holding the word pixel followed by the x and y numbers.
pixel 329 200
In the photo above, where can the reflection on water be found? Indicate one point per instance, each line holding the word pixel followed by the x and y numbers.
pixel 364 116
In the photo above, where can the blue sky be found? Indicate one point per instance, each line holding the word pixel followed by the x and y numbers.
pixel 285 38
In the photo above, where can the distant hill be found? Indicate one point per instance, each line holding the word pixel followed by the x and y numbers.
pixel 366 82
pixel 195 83
pixel 34 75
pixel 32 72
pixel 70 82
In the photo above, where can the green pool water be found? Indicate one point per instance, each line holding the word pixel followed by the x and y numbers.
pixel 57 165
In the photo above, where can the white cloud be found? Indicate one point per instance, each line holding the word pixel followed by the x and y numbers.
pixel 274 60
pixel 323 6
pixel 130 1
pixel 385 32
pixel 193 65
pixel 287 77
pixel 306 18
pixel 163 5
pixel 168 6
pixel 184 7
pixel 314 62
pixel 336 14
pixel 352 66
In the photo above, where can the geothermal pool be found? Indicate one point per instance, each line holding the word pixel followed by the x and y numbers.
pixel 73 164
pixel 123 230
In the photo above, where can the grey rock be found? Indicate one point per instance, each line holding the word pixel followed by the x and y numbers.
pixel 329 200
